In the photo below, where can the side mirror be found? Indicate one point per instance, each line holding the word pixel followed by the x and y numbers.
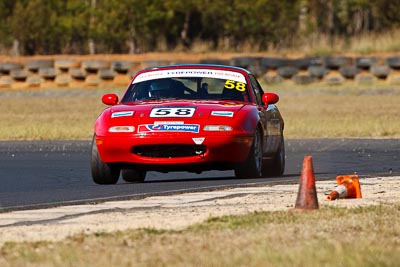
pixel 270 98
pixel 109 99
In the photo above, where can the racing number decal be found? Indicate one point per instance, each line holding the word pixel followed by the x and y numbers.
pixel 229 84
pixel 172 112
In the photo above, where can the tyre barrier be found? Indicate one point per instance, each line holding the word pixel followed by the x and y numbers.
pixel 48 73
pixel 380 71
pixel 215 61
pixel 19 74
pixel 7 67
pixel 272 78
pixel 153 63
pixel 78 74
pixel 273 63
pixel 287 72
pixel 73 71
pixel 93 66
pixel 349 72
pixel 393 62
pixel 35 64
pixel 65 64
pixel 122 67
pixel 245 62
pixel 318 72
pixel 365 62
pixel 334 63
pixel 106 74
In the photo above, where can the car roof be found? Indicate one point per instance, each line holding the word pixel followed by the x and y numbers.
pixel 202 66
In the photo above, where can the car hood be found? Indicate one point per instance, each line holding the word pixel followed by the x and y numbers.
pixel 179 109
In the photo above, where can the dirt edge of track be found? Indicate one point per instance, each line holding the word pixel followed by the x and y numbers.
pixel 178 211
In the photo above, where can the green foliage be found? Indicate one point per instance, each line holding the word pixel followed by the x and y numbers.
pixel 131 26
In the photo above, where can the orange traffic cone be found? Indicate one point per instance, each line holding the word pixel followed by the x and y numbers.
pixel 307 195
pixel 348 187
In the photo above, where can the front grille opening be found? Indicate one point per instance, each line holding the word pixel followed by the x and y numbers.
pixel 169 151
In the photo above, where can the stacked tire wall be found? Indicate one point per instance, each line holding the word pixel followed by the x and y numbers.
pixel 75 72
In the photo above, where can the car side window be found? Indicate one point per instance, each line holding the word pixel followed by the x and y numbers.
pixel 257 90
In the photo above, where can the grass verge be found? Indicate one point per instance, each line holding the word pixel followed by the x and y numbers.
pixel 365 236
pixel 311 111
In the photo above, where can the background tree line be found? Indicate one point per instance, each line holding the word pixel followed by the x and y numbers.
pixel 136 26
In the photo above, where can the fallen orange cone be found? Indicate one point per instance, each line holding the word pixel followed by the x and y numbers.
pixel 307 195
pixel 348 187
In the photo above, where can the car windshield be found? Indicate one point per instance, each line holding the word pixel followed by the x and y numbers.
pixel 197 88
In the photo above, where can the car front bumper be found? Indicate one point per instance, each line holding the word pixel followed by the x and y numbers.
pixel 211 149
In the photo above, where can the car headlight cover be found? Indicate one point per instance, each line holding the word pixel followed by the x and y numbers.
pixel 217 128
pixel 121 129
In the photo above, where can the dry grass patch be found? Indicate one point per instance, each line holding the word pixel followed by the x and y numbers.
pixel 309 111
pixel 346 111
pixel 365 236
pixel 49 114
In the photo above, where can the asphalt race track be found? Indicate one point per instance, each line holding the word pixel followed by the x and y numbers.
pixel 48 173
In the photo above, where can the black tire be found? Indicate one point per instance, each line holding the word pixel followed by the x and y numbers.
pixel 252 167
pixel 78 74
pixel 93 66
pixel 273 62
pixel 287 72
pixel 349 72
pixel 365 62
pixel 65 64
pixel 380 71
pixel 215 61
pixel 35 64
pixel 106 74
pixel 394 62
pixel 122 67
pixel 276 166
pixel 133 176
pixel 257 70
pixel 245 62
pixel 19 75
pixel 7 67
pixel 334 63
pixel 48 73
pixel 154 63
pixel 317 71
pixel 272 78
pixel 102 173
pixel 301 63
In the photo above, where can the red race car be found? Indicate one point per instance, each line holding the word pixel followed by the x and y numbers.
pixel 189 118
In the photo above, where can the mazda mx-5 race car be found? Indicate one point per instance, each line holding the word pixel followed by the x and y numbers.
pixel 189 118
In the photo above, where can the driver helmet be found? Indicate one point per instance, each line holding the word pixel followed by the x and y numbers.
pixel 160 88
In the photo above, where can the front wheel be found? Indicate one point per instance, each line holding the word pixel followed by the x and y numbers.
pixel 102 173
pixel 252 167
pixel 133 176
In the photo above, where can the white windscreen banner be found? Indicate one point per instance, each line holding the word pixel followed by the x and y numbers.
pixel 175 73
